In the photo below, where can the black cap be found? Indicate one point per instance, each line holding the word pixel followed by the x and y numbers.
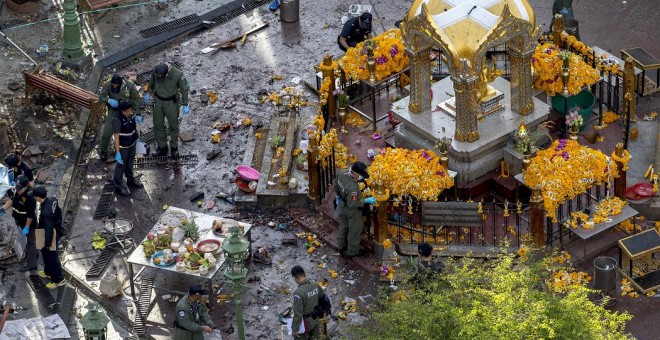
pixel 125 104
pixel 40 191
pixel 297 271
pixel 424 249
pixel 12 160
pixel 366 17
pixel 22 182
pixel 161 70
pixel 360 169
pixel 116 79
pixel 197 289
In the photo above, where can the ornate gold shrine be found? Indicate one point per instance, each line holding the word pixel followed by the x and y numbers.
pixel 464 30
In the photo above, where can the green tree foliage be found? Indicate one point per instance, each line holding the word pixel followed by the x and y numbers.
pixel 505 298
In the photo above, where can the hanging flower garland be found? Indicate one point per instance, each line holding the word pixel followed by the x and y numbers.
pixel 327 143
pixel 388 51
pixel 565 170
pixel 548 65
pixel 406 172
pixel 623 160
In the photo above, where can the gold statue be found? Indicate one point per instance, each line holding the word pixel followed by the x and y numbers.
pixel 487 75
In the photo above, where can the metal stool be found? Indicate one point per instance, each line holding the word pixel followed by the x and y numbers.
pixel 119 230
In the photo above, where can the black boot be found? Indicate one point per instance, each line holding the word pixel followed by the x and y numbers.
pixel 174 152
pixel 161 152
pixel 135 183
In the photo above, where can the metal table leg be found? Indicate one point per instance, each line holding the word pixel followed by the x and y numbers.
pixel 373 105
pixel 132 279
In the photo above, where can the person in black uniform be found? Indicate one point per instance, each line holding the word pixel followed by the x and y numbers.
pixel 17 167
pixel 356 30
pixel 50 220
pixel 124 128
pixel 24 212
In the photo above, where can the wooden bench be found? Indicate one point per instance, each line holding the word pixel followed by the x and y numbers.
pixel 91 5
pixel 60 88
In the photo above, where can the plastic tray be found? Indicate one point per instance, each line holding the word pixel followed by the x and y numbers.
pixel 247 173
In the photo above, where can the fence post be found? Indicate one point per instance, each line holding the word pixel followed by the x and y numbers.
pixel 330 73
pixel 620 181
pixel 536 215
pixel 380 229
pixel 313 166
pixel 629 86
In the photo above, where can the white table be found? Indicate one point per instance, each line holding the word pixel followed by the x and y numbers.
pixel 204 223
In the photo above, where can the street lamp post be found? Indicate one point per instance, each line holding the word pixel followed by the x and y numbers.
pixel 72 50
pixel 236 252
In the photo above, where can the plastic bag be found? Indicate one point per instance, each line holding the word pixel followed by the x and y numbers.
pixel 19 245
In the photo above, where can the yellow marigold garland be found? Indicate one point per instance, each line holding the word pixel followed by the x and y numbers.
pixel 565 170
pixel 610 117
pixel 329 141
pixel 548 66
pixel 406 172
pixel 389 53
pixel 324 92
pixel 623 160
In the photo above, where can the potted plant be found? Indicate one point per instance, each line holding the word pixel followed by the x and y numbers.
pixel 301 162
pixel 276 141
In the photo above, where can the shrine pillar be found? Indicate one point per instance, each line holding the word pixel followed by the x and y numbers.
pixel 620 181
pixel 629 86
pixel 521 81
pixel 420 81
pixel 466 90
pixel 536 212
pixel 329 73
pixel 313 166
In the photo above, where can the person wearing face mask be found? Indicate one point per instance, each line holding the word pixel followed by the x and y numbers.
pixel 114 91
pixel 350 202
pixel 192 318
pixel 124 127
pixel 355 31
pixel 24 207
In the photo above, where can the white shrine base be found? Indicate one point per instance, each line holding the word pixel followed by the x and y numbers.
pixel 470 160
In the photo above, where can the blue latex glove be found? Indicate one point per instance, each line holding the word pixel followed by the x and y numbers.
pixel 113 102
pixel 138 119
pixel 147 98
pixel 2 211
pixel 186 109
pixel 337 200
pixel 370 200
pixel 118 158
pixel 26 230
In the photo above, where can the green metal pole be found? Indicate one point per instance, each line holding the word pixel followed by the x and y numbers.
pixel 239 310
pixel 73 47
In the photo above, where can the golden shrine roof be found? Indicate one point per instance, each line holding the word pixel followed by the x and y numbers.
pixel 465 23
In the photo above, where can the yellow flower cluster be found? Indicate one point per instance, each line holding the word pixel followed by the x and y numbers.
pixel 319 124
pixel 629 227
pixel 387 244
pixel 404 172
pixel 611 206
pixel 354 119
pixel 623 160
pixel 324 92
pixel 565 170
pixel 576 44
pixel 627 289
pixel 291 97
pixel 563 257
pixel 329 141
pixel 389 53
pixel 561 281
pixel 548 65
pixel 610 117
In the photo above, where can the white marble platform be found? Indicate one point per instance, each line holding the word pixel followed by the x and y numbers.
pixel 471 160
